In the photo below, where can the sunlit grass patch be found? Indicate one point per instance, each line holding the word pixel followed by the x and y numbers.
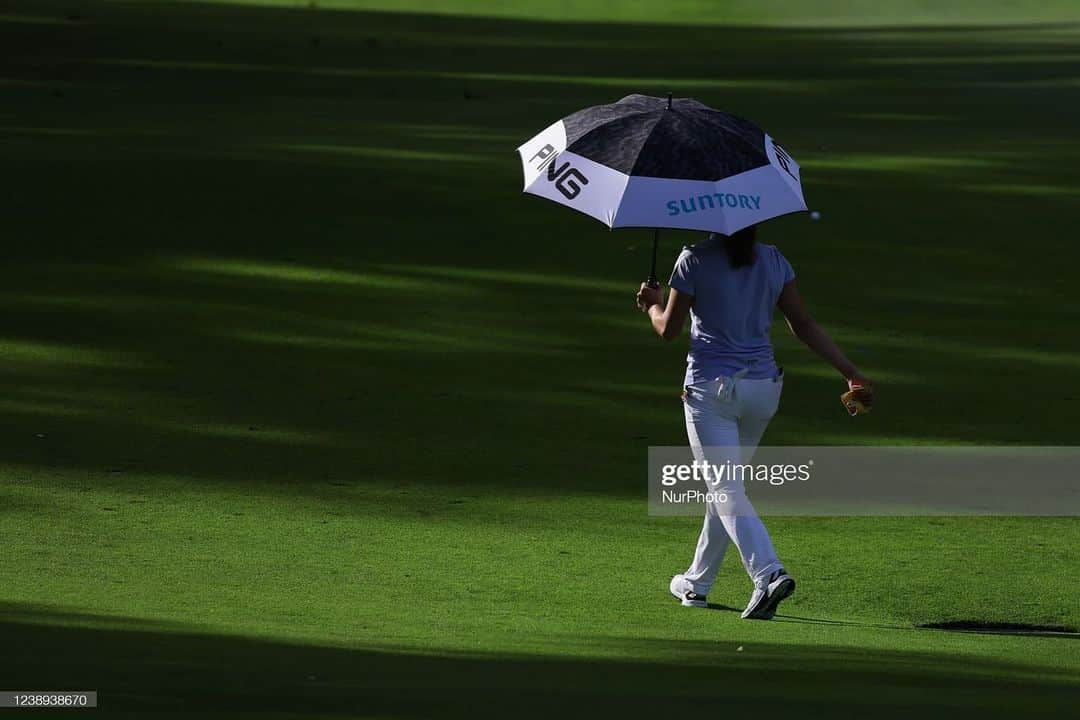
pixel 885 163
pixel 26 353
pixel 976 352
pixel 419 339
pixel 1029 189
pixel 703 82
pixel 898 117
pixel 510 277
pixel 1004 58
pixel 773 13
pixel 28 19
pixel 383 153
pixel 885 376
pixel 298 274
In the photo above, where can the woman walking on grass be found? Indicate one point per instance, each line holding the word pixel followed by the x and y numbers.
pixel 730 286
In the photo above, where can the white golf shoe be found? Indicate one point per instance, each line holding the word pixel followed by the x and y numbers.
pixel 684 592
pixel 767 595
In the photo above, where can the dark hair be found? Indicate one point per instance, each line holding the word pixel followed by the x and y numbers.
pixel 740 247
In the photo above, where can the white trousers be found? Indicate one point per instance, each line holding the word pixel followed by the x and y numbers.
pixel 723 430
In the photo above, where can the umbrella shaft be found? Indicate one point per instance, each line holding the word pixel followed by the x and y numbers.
pixel 652 281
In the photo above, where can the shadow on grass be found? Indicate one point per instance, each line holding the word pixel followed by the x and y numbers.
pixel 980 627
pixel 292 242
pixel 1000 628
pixel 139 668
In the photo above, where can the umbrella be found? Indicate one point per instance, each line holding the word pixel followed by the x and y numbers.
pixel 663 163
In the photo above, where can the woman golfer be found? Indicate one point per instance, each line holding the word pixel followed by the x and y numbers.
pixel 729 286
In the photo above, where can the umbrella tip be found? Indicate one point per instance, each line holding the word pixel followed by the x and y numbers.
pixel 669 101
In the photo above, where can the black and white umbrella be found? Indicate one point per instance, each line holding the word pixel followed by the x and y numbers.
pixel 663 163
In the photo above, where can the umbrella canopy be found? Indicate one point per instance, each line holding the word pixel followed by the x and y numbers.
pixel 663 163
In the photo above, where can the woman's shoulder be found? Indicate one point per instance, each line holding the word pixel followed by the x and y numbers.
pixel 694 251
pixel 771 252
pixel 776 261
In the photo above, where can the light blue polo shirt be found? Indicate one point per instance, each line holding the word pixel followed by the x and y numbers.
pixel 733 308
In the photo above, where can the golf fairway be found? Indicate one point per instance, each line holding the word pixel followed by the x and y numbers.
pixel 309 412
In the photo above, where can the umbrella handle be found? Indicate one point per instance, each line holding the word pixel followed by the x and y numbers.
pixel 652 281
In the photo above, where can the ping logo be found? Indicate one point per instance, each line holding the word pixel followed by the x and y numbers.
pixel 784 159
pixel 544 154
pixel 568 180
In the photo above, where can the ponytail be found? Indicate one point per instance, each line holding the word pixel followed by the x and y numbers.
pixel 740 247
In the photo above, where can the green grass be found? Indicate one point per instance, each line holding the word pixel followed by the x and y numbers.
pixel 307 409
pixel 771 13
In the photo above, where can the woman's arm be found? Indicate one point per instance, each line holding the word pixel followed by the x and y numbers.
pixel 804 327
pixel 667 320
